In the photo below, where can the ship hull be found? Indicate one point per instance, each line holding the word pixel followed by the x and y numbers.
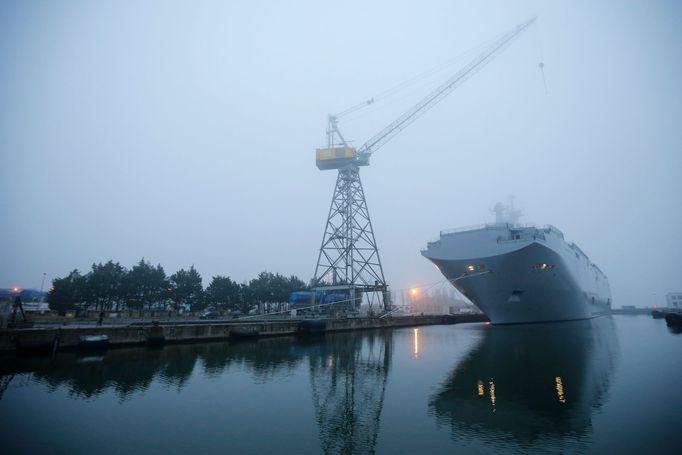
pixel 513 288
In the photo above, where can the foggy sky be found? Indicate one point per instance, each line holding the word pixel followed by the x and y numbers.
pixel 184 133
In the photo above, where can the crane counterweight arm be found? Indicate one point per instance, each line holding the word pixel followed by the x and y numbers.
pixel 381 138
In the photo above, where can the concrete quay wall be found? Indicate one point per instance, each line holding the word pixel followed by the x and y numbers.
pixel 122 335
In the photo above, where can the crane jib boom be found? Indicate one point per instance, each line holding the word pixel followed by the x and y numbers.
pixel 373 144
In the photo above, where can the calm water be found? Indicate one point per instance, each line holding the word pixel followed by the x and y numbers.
pixel 607 385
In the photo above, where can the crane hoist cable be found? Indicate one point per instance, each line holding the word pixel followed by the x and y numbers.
pixel 420 79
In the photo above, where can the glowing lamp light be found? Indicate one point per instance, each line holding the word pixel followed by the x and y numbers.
pixel 470 268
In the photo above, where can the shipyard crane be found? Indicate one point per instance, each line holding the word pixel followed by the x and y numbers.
pixel 348 262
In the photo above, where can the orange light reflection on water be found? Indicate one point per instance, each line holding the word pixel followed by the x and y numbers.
pixel 416 343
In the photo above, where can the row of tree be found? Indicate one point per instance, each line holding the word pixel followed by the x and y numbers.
pixel 111 286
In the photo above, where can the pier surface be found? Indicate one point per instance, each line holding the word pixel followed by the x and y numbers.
pixel 66 337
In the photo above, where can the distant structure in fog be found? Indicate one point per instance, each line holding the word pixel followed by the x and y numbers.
pixel 673 299
pixel 32 300
pixel 444 300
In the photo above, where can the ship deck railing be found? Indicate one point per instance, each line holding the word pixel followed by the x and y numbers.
pixel 548 228
pixel 523 238
pixel 479 227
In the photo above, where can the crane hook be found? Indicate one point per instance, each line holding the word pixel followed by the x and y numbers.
pixel 541 65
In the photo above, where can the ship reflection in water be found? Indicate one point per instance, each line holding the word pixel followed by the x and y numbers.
pixel 529 383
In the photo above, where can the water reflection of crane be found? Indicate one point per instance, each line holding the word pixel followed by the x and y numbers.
pixel 4 383
pixel 348 377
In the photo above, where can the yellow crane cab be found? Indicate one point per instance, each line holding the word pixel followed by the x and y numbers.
pixel 338 157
